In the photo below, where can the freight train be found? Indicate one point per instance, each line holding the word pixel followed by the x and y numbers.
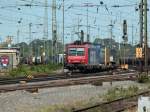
pixel 133 61
pixel 87 57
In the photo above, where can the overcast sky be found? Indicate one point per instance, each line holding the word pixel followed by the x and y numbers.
pixel 12 11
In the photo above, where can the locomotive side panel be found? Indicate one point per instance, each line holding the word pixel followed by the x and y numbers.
pixel 94 56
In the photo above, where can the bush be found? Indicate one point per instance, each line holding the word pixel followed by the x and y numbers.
pixel 22 70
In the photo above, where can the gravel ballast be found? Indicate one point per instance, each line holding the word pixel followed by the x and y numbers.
pixel 23 101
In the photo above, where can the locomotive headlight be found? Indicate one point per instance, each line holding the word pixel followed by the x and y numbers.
pixel 69 61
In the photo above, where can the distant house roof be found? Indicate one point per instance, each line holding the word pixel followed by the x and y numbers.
pixel 9 50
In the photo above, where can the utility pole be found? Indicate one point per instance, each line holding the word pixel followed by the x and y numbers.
pixel 72 34
pixel 125 37
pixel 18 34
pixel 54 32
pixel 87 16
pixel 78 27
pixel 120 18
pixel 18 47
pixel 141 23
pixel 145 34
pixel 88 37
pixel 143 30
pixel 111 34
pixel 98 32
pixel 63 40
pixel 142 40
pixel 132 34
pixel 45 31
pixel 132 41
pixel 30 39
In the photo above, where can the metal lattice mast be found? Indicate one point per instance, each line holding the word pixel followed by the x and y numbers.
pixel 54 31
pixel 145 33
pixel 141 23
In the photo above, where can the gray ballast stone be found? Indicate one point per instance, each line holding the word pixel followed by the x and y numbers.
pixel 23 101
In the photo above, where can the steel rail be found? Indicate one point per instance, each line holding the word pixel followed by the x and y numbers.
pixel 117 105
pixel 4 81
pixel 66 82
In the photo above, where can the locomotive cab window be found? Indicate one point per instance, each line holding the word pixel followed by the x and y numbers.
pixel 72 52
pixel 76 51
pixel 80 51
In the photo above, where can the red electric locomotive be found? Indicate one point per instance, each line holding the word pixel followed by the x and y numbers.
pixel 85 57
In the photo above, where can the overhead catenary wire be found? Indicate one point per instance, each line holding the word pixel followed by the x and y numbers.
pixel 93 11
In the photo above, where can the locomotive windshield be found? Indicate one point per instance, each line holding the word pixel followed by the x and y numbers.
pixel 76 51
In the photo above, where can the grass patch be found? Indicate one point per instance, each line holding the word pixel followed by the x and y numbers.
pixel 143 78
pixel 25 70
pixel 69 107
pixel 111 95
pixel 121 92
pixel 22 70
pixel 56 108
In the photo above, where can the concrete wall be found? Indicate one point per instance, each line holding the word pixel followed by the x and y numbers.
pixel 144 104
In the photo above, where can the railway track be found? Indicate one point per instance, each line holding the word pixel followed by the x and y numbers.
pixel 117 105
pixel 63 81
pixel 5 81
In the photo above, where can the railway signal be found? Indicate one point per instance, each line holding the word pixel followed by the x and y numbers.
pixel 125 35
pixel 139 53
